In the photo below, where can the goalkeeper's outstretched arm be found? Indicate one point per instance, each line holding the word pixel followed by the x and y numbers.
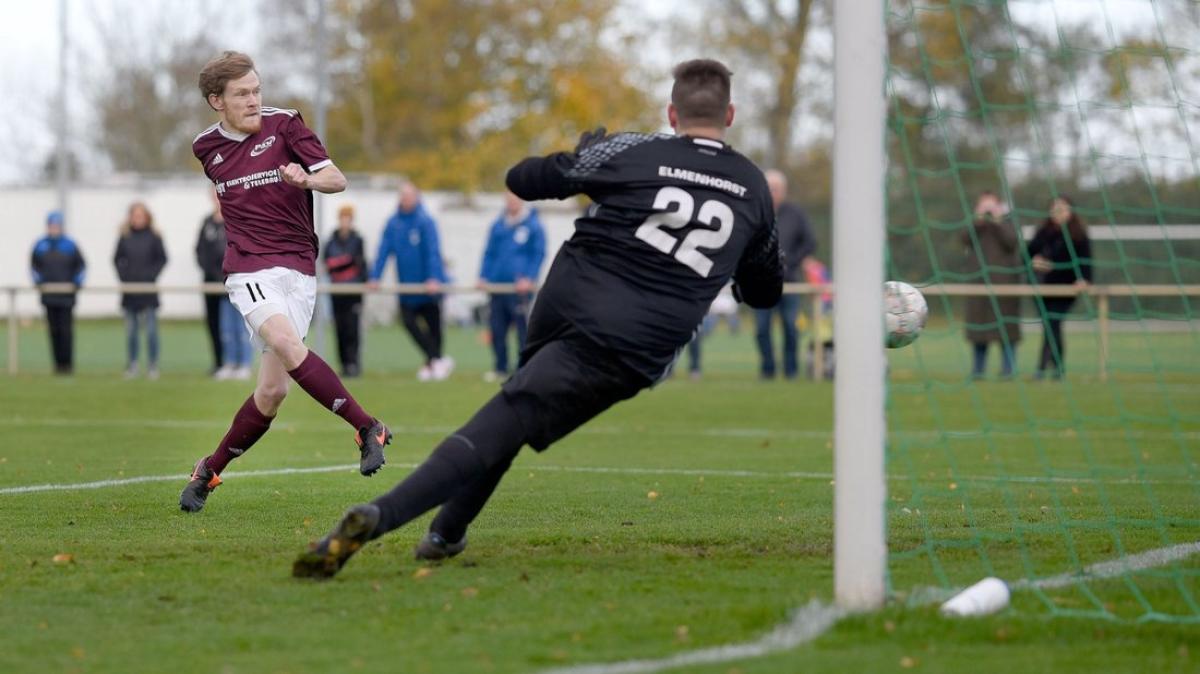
pixel 552 176
pixel 538 178
pixel 758 280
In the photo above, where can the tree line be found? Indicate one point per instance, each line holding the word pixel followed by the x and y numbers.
pixel 450 93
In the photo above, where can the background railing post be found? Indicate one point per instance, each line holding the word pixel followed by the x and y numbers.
pixel 13 331
pixel 814 332
pixel 1102 319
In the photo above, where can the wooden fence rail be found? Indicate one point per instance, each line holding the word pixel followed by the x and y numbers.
pixel 1101 293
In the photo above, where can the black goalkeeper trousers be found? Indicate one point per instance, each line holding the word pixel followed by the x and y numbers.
pixel 1054 350
pixel 565 382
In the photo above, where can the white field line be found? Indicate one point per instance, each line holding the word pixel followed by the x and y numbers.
pixel 121 482
pixel 816 618
pixel 600 470
pixel 806 624
pixel 1142 561
pixel 1151 559
pixel 766 433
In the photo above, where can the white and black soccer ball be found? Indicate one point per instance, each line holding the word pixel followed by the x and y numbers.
pixel 905 311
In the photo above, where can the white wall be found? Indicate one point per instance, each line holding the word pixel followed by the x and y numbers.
pixel 94 214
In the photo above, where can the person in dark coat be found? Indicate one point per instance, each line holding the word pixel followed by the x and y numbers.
pixel 1060 254
pixel 210 253
pixel 56 259
pixel 140 258
pixel 993 259
pixel 797 242
pixel 347 263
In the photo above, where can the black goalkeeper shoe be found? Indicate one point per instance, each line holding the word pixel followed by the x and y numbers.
pixel 434 548
pixel 370 441
pixel 327 556
pixel 202 483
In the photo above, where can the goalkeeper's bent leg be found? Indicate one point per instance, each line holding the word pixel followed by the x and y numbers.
pixel 487 442
pixel 457 514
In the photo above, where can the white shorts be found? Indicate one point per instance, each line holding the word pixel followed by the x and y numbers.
pixel 262 294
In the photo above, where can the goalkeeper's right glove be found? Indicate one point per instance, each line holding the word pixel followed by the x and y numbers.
pixel 590 138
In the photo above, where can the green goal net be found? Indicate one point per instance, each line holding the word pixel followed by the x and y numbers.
pixel 1076 478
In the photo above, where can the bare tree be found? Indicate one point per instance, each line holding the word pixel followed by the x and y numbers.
pixel 767 38
pixel 142 84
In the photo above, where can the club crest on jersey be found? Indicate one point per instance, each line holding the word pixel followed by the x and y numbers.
pixel 521 235
pixel 414 238
pixel 263 146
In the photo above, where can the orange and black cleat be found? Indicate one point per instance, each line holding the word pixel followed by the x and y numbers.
pixel 370 444
pixel 327 556
pixel 202 483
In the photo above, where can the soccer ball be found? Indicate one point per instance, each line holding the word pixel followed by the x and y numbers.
pixel 905 312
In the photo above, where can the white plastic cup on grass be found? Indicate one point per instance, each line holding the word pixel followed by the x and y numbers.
pixel 983 598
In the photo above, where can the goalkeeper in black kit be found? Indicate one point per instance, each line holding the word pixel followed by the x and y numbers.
pixel 674 218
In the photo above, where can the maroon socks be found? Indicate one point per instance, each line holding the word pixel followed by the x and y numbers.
pixel 319 381
pixel 248 426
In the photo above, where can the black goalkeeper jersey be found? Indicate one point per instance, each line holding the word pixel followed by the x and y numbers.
pixel 673 219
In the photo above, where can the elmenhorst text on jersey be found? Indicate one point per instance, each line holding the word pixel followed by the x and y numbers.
pixel 702 179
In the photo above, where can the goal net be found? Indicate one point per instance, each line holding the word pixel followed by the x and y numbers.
pixel 1076 476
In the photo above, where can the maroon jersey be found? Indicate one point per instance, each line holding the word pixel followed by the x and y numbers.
pixel 268 223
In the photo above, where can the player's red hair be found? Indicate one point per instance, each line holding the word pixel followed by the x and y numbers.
pixel 230 65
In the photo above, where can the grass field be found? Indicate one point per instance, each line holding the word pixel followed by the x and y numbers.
pixel 573 562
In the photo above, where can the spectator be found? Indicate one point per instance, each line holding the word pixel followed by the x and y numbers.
pixel 236 350
pixel 1060 254
pixel 723 307
pixel 797 242
pixel 210 253
pixel 140 258
pixel 991 245
pixel 56 259
pixel 695 370
pixel 411 236
pixel 227 329
pixel 347 263
pixel 516 248
pixel 817 274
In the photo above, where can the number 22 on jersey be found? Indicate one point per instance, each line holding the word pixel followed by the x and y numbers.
pixel 687 251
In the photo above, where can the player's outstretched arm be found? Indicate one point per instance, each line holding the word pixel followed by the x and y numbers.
pixel 537 178
pixel 328 180
pixel 758 280
pixel 546 177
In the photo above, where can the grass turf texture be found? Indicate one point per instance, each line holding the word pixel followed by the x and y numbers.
pixel 568 566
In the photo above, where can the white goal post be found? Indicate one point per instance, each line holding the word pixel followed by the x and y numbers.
pixel 859 427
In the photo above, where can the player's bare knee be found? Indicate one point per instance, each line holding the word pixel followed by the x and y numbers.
pixel 283 341
pixel 269 396
pixel 291 353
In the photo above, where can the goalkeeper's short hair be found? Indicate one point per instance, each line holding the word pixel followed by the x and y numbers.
pixel 701 92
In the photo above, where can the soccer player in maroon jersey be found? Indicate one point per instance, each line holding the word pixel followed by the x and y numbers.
pixel 265 163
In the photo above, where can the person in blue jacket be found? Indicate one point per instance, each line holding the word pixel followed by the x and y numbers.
pixel 411 236
pixel 56 259
pixel 516 248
